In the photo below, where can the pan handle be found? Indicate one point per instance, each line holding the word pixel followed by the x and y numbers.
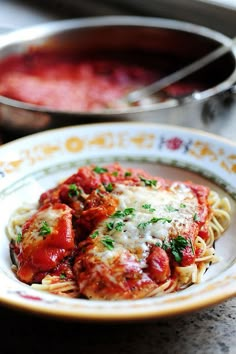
pixel 219 105
pixel 233 89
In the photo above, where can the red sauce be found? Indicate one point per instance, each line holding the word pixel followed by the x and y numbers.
pixel 69 245
pixel 69 83
pixel 41 254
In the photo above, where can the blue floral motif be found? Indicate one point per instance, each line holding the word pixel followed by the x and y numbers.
pixel 2 174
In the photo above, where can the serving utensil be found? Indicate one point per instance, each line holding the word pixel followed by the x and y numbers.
pixel 180 74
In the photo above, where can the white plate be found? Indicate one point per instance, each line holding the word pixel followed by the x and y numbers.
pixel 37 162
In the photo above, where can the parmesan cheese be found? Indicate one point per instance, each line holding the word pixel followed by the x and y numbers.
pixel 157 215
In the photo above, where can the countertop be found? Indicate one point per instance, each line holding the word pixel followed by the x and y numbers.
pixel 208 331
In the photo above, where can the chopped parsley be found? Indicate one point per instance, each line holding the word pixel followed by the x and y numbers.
pixel 119 226
pixel 128 174
pixel 158 243
pixel 182 205
pixel 110 225
pixel 176 246
pixel 100 170
pixel 108 242
pixel 164 220
pixel 94 234
pixel 115 173
pixel 62 276
pixel 108 187
pixel 196 217
pixel 148 182
pixel 148 207
pixel 123 213
pixel 143 225
pixel 191 244
pixel 99 192
pixel 115 226
pixel 170 208
pixel 73 190
pixel 19 237
pixel 44 229
pixel 118 214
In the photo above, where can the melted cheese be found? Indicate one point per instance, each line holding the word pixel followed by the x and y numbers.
pixel 49 215
pixel 157 215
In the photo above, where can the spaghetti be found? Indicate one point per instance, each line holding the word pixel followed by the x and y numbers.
pixel 114 233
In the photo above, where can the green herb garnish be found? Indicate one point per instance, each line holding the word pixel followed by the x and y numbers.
pixel 100 170
pixel 62 276
pixel 118 214
pixel 148 207
pixel 191 244
pixel 128 174
pixel 170 208
pixel 94 234
pixel 196 217
pixel 158 243
pixel 108 242
pixel 110 225
pixel 44 229
pixel 148 182
pixel 108 187
pixel 164 220
pixel 19 237
pixel 176 246
pixel 73 190
pixel 142 225
pixel 99 192
pixel 119 226
pixel 123 213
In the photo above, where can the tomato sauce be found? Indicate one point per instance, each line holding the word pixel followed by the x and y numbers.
pixel 63 239
pixel 41 254
pixel 70 83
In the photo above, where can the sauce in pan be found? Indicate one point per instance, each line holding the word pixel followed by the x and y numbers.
pixel 71 83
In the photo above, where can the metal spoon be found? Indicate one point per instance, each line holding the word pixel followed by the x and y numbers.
pixel 136 95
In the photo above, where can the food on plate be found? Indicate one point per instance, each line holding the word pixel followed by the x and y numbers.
pixel 68 82
pixel 115 233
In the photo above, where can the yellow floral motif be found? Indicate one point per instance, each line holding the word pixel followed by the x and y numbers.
pixel 74 144
pixel 109 140
pixel 143 141
pixel 10 166
pixel 105 140
pixel 50 149
pixel 39 152
pixel 201 150
pixel 30 156
pixel 229 164
pixel 140 140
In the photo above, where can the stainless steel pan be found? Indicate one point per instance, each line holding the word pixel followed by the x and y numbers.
pixel 210 109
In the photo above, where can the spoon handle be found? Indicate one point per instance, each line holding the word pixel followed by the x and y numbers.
pixel 136 95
